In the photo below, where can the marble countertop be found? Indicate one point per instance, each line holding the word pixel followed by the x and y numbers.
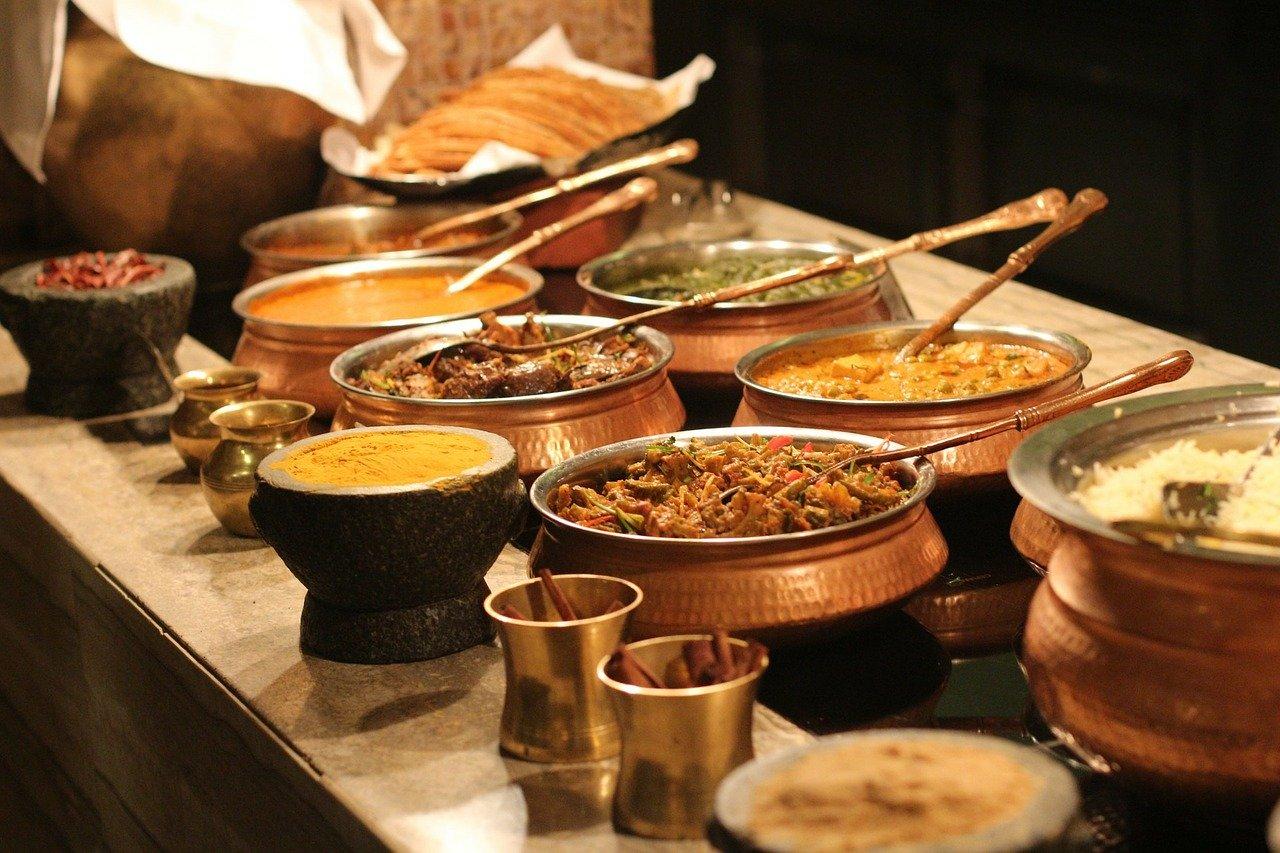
pixel 410 749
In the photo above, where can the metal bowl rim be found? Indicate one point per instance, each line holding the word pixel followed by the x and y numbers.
pixel 586 273
pixel 926 480
pixel 347 361
pixel 1078 350
pixel 1032 465
pixel 244 298
pixel 250 240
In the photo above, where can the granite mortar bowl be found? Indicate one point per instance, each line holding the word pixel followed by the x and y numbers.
pixel 545 429
pixel 269 243
pixel 783 588
pixel 1159 667
pixel 393 572
pixel 294 358
pixel 98 352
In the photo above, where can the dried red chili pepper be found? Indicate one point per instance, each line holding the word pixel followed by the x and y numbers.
pixel 97 271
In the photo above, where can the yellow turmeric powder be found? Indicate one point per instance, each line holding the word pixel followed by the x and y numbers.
pixel 384 458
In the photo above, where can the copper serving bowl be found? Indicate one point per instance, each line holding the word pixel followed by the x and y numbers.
pixel 977 465
pixel 1160 667
pixel 710 342
pixel 294 358
pixel 545 429
pixel 779 588
pixel 349 223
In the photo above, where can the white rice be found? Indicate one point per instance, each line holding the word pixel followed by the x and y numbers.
pixel 1132 492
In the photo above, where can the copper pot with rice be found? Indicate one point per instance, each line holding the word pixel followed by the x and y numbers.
pixel 546 428
pixel 978 465
pixel 343 233
pixel 784 587
pixel 710 342
pixel 1158 665
pixel 296 324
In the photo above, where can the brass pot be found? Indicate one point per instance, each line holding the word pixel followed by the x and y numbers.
pixel 1160 667
pixel 347 223
pixel 294 358
pixel 251 431
pixel 780 588
pixel 709 343
pixel 977 465
pixel 545 429
pixel 202 393
pixel 677 744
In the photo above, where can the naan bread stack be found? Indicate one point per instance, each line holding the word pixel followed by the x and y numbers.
pixel 546 111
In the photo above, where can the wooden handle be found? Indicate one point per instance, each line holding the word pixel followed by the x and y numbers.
pixel 1086 203
pixel 1044 206
pixel 1168 368
pixel 681 151
pixel 1165 369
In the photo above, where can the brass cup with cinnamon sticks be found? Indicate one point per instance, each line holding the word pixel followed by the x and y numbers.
pixel 679 741
pixel 553 634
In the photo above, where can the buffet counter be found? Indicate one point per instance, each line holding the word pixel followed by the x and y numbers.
pixel 153 693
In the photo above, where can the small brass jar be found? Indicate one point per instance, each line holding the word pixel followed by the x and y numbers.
pixel 202 393
pixel 250 432
pixel 555 709
pixel 677 744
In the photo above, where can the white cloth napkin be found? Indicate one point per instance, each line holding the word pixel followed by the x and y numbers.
pixel 298 45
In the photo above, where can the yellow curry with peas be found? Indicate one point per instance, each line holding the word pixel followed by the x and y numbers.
pixel 941 371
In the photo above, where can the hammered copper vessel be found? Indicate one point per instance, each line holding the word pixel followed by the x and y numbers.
pixel 555 709
pixel 1160 667
pixel 294 358
pixel 268 244
pixel 545 429
pixel 677 744
pixel 203 392
pixel 979 465
pixel 710 342
pixel 780 588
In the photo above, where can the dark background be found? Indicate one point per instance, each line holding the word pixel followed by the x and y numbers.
pixel 896 117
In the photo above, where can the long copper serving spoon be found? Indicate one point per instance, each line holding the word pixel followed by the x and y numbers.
pixel 676 153
pixel 1086 203
pixel 1167 368
pixel 636 191
pixel 1041 207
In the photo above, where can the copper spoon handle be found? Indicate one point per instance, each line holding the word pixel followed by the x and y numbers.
pixel 1044 206
pixel 677 152
pixel 1167 368
pixel 636 191
pixel 1086 203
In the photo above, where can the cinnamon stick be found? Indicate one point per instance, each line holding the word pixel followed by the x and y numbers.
pixel 563 607
pixel 725 664
pixel 635 671
pixel 512 612
pixel 700 661
pixel 753 659
pixel 613 607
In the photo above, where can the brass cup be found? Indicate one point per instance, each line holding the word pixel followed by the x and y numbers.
pixel 202 393
pixel 249 432
pixel 555 709
pixel 677 744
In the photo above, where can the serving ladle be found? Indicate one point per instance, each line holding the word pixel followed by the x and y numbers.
pixel 1085 204
pixel 1041 207
pixel 634 192
pixel 674 154
pixel 1169 367
pixel 1195 503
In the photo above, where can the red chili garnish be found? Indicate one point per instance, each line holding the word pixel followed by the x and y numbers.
pixel 778 442
pixel 598 520
pixel 97 271
pixel 808 447
pixel 792 475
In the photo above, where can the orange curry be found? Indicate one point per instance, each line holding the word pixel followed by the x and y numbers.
pixel 942 371
pixel 382 297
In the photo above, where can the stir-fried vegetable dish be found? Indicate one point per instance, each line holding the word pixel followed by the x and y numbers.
pixel 475 372
pixel 742 487
pixel 736 269
pixel 834 370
